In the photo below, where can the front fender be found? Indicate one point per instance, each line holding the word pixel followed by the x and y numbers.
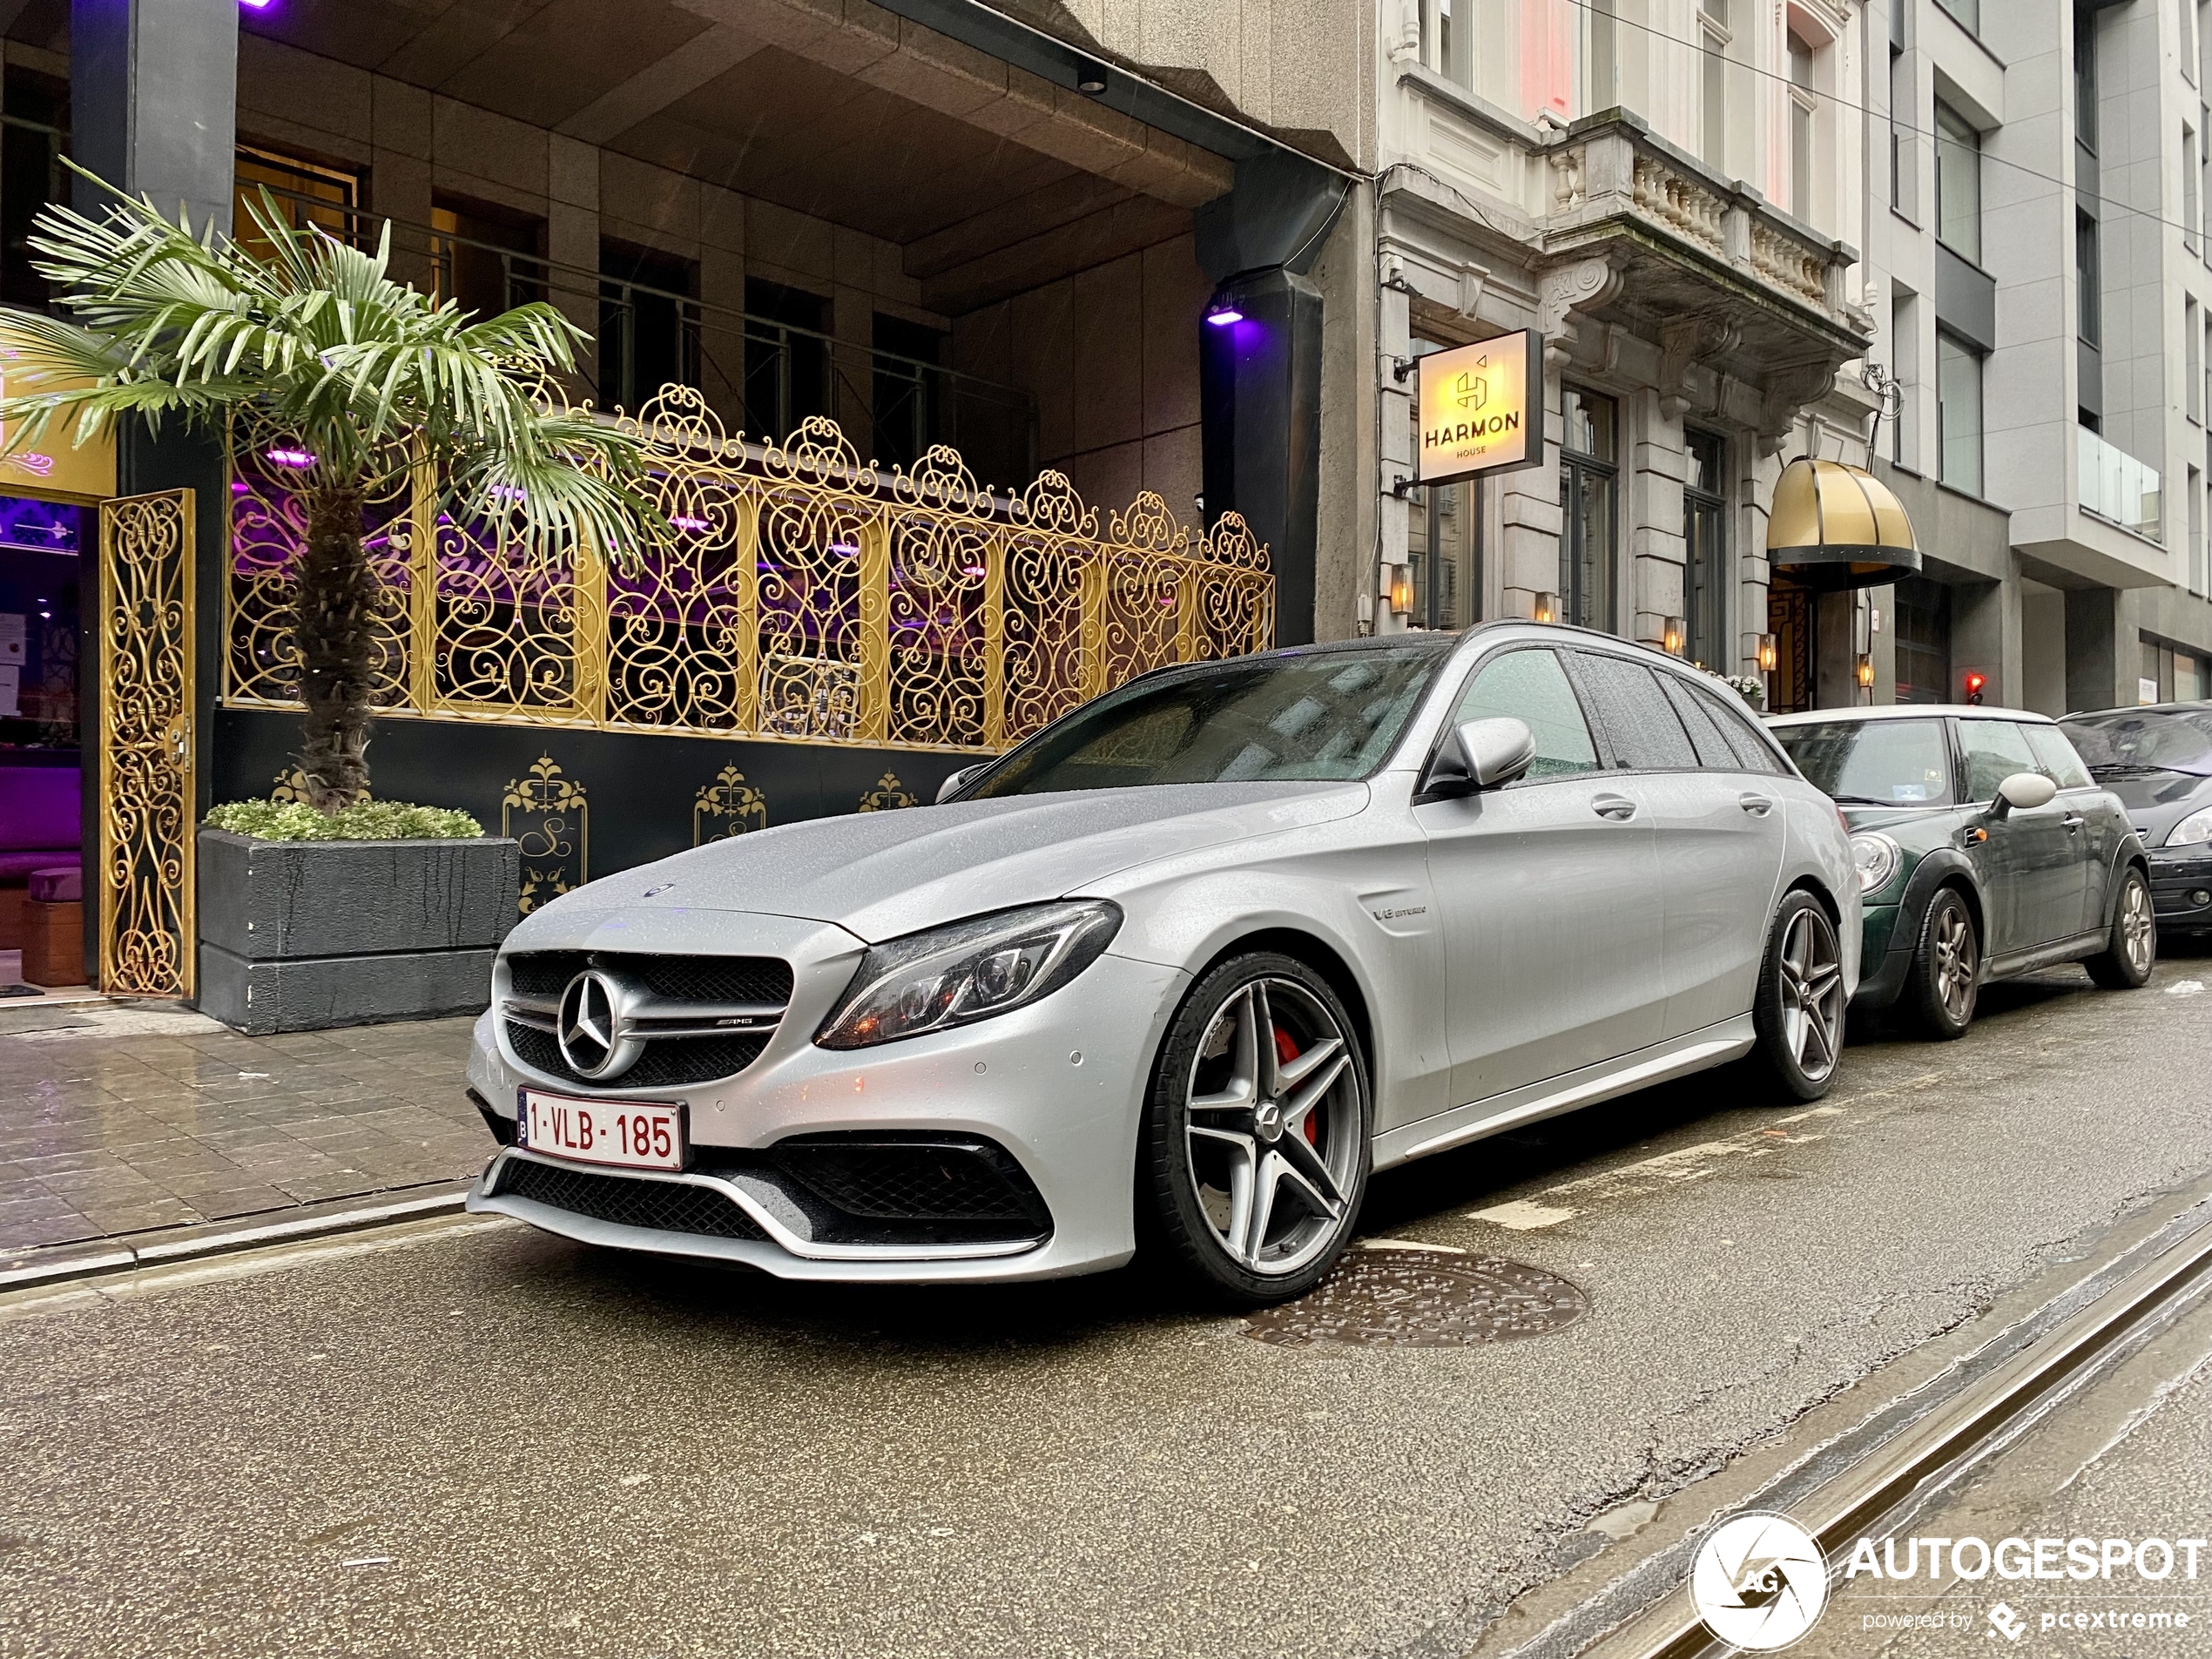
pixel 1943 866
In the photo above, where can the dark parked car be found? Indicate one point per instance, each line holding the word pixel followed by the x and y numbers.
pixel 2158 761
pixel 1985 849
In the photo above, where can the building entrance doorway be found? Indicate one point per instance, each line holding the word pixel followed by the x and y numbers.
pixel 43 545
pixel 1790 611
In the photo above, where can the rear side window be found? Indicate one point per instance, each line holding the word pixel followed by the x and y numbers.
pixel 2055 757
pixel 1638 722
pixel 1530 686
pixel 1995 750
pixel 1713 750
pixel 1751 750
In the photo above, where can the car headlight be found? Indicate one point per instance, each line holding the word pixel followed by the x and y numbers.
pixel 967 971
pixel 1875 857
pixel 2196 827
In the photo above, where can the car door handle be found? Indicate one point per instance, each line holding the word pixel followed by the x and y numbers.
pixel 2073 822
pixel 1757 806
pixel 1619 808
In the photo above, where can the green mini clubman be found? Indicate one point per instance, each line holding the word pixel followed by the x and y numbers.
pixel 1984 850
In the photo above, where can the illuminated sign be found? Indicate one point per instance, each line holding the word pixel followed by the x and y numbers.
pixel 58 466
pixel 1481 407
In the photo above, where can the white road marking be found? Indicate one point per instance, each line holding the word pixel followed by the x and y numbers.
pixel 1410 1244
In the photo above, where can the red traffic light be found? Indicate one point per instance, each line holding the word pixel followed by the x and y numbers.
pixel 1974 683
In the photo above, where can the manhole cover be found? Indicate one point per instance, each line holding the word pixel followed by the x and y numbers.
pixel 1404 1298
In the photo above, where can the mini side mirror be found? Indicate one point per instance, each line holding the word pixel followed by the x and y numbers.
pixel 2022 792
pixel 1479 754
pixel 958 781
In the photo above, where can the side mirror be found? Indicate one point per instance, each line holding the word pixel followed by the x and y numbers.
pixel 1479 754
pixel 958 781
pixel 2022 792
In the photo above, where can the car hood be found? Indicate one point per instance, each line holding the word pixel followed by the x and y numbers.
pixel 882 874
pixel 1896 819
pixel 2158 800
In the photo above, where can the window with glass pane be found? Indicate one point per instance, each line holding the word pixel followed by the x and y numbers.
pixel 1439 547
pixel 1958 183
pixel 1587 481
pixel 1968 12
pixel 1959 412
pixel 1704 538
pixel 1801 126
pixel 1600 86
pixel 2189 208
pixel 1995 750
pixel 2088 292
pixel 1640 727
pixel 1530 686
pixel 1923 623
pixel 2085 78
pixel 1873 763
pixel 1713 35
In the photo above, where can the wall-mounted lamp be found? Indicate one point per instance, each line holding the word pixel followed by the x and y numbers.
pixel 1091 77
pixel 1547 607
pixel 1765 656
pixel 1401 589
pixel 1670 636
pixel 1222 313
pixel 1865 673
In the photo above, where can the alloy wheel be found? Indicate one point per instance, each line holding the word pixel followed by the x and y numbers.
pixel 1957 963
pixel 1272 1126
pixel 2137 930
pixel 1812 993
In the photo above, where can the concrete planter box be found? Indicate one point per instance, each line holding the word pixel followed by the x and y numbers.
pixel 305 935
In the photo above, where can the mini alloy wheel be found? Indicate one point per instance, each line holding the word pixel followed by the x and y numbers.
pixel 1257 1135
pixel 1946 967
pixel 2131 952
pixel 1799 1014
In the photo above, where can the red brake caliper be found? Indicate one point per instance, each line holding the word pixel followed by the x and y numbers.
pixel 1285 1051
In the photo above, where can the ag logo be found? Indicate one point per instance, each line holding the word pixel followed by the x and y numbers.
pixel 1472 391
pixel 1758 1581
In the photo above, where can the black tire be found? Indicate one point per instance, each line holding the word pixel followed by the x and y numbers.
pixel 1801 1054
pixel 1186 1211
pixel 1945 980
pixel 2131 943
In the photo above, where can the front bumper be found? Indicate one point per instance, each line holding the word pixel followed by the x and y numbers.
pixel 1060 1086
pixel 2180 887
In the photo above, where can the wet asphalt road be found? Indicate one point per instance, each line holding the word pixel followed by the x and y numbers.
pixel 477 1440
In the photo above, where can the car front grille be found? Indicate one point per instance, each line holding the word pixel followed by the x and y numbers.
pixel 683 979
pixel 661 1206
pixel 920 1178
pixel 673 1062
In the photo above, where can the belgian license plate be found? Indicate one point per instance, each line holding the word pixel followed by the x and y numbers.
pixel 629 1134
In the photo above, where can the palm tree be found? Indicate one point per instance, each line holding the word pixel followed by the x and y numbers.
pixel 368 375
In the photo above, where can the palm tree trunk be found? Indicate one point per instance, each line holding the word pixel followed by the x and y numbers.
pixel 335 632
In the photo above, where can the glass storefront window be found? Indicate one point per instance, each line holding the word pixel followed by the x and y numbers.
pixel 1587 479
pixel 1923 610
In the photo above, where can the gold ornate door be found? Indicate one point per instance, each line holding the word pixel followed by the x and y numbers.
pixel 147 937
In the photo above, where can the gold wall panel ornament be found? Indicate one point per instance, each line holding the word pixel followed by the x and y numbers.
pixel 888 795
pixel 800 594
pixel 547 814
pixel 289 785
pixel 145 748
pixel 735 804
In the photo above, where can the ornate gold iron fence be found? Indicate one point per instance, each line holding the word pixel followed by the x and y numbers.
pixel 802 595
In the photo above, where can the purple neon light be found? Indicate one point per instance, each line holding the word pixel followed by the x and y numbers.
pixel 294 458
pixel 257 5
pixel 682 522
pixel 1223 317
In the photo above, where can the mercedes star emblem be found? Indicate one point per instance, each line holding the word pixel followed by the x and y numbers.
pixel 590 1013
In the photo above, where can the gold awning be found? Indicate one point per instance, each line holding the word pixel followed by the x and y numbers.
pixel 1835 526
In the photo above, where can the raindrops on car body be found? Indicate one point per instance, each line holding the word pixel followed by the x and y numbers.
pixel 1404 1299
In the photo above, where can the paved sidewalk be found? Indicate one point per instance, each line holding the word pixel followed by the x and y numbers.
pixel 119 1118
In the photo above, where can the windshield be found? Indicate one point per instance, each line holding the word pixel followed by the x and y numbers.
pixel 1873 763
pixel 1328 717
pixel 2144 740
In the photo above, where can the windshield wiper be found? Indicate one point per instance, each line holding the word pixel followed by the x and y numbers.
pixel 1868 800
